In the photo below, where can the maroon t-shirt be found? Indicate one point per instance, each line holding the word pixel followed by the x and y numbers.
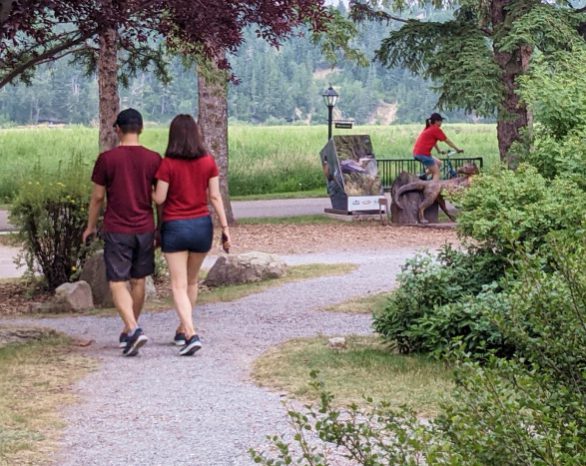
pixel 128 173
pixel 188 184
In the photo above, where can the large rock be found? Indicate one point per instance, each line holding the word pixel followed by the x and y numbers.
pixel 94 272
pixel 75 296
pixel 245 268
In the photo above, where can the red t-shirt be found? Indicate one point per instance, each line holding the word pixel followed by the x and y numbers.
pixel 427 139
pixel 188 184
pixel 128 173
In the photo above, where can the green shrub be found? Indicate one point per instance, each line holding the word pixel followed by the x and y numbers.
pixel 518 208
pixel 50 213
pixel 468 326
pixel 564 158
pixel 530 410
pixel 425 285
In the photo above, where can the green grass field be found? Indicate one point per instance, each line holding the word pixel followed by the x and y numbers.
pixel 263 159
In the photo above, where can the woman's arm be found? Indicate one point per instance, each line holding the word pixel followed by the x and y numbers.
pixel 453 146
pixel 215 198
pixel 160 194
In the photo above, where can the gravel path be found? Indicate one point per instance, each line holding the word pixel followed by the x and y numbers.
pixel 160 409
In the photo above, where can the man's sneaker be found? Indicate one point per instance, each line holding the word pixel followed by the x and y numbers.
pixel 134 343
pixel 179 339
pixel 191 346
pixel 122 340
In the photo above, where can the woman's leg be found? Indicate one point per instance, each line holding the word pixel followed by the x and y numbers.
pixel 177 263
pixel 193 267
pixel 435 169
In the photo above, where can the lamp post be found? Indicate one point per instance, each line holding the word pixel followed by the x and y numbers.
pixel 330 98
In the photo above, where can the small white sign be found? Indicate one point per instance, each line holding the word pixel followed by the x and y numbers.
pixel 361 203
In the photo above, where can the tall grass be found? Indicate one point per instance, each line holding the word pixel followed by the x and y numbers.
pixel 263 159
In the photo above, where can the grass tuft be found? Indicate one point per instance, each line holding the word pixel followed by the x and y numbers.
pixel 34 386
pixel 370 304
pixel 366 368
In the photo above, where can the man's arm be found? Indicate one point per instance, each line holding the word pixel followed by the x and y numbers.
pixel 96 202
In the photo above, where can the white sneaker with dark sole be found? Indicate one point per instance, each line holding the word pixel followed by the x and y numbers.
pixel 191 346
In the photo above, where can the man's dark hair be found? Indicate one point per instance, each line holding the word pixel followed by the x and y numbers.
pixel 129 121
pixel 185 139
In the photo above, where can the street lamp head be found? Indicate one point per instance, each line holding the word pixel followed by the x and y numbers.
pixel 330 96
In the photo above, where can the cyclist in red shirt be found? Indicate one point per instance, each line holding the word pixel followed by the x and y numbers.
pixel 427 140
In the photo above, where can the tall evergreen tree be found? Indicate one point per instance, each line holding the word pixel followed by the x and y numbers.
pixel 477 55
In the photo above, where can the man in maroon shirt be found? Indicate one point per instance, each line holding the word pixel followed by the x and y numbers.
pixel 125 176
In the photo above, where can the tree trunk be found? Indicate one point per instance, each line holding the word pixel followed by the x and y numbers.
pixel 513 115
pixel 108 88
pixel 212 88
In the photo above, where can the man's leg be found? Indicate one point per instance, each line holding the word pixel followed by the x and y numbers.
pixel 124 304
pixel 143 265
pixel 137 291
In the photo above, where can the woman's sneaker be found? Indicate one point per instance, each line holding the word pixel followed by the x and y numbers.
pixel 122 340
pixel 191 346
pixel 179 339
pixel 134 342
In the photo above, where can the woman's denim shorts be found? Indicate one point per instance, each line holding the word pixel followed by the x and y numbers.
pixel 426 160
pixel 193 235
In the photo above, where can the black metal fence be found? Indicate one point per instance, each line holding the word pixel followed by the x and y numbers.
pixel 389 169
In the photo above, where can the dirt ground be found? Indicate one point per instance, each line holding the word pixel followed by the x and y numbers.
pixel 304 239
pixel 16 296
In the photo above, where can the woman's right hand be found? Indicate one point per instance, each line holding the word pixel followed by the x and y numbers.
pixel 226 240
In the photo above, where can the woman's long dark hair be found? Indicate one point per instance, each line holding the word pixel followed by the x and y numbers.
pixel 432 119
pixel 185 139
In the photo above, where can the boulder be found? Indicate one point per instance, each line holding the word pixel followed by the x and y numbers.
pixel 245 268
pixel 337 343
pixel 94 272
pixel 150 291
pixel 75 296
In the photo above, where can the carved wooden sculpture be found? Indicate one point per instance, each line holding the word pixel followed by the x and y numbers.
pixel 432 191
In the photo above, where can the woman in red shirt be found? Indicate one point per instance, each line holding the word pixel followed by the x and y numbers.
pixel 188 175
pixel 427 140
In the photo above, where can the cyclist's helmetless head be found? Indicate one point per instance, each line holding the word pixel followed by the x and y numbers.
pixel 434 119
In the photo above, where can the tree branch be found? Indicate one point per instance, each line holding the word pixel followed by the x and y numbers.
pixel 48 54
pixel 5 9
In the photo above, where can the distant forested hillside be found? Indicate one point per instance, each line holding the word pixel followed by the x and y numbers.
pixel 275 86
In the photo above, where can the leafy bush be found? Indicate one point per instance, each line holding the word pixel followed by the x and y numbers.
pixel 510 209
pixel 560 158
pixel 425 285
pixel 50 213
pixel 559 107
pixel 468 325
pixel 375 436
pixel 530 410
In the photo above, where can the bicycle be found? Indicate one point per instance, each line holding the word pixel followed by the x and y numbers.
pixel 448 170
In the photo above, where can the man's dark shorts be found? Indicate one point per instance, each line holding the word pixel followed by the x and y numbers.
pixel 128 256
